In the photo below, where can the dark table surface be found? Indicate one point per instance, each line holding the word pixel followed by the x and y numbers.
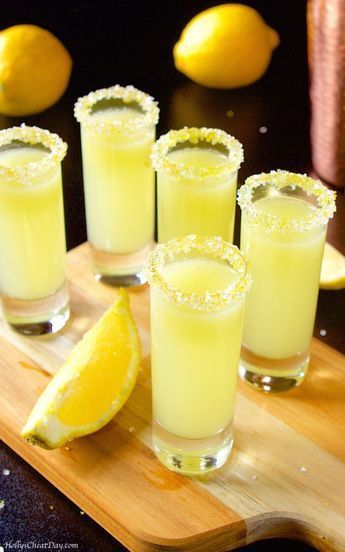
pixel 130 43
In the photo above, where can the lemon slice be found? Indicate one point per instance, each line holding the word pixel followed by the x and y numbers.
pixel 333 269
pixel 93 384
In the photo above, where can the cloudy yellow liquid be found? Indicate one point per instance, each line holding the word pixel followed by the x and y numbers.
pixel 281 304
pixel 196 206
pixel 32 244
pixel 119 184
pixel 195 354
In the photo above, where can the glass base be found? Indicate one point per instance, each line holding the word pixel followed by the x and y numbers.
pixel 192 456
pixel 273 375
pixel 43 316
pixel 120 270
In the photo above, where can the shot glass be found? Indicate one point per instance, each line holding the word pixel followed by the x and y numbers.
pixel 196 177
pixel 198 285
pixel 32 246
pixel 117 132
pixel 283 231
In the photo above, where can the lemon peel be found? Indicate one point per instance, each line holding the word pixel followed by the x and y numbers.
pixel 92 385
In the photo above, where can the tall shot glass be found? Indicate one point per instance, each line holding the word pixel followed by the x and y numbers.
pixel 32 246
pixel 196 178
pixel 117 133
pixel 198 286
pixel 283 231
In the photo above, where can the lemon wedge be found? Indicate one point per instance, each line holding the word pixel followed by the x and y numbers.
pixel 333 268
pixel 93 384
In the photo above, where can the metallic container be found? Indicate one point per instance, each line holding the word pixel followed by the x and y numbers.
pixel 326 54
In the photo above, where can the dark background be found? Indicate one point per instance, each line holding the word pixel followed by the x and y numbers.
pixel 130 42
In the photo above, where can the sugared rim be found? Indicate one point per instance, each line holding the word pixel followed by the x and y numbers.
pixel 213 136
pixel 128 94
pixel 279 179
pixel 32 136
pixel 205 245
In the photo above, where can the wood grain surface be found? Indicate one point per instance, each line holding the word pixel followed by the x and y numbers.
pixel 285 476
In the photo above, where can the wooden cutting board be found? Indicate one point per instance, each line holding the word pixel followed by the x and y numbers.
pixel 285 478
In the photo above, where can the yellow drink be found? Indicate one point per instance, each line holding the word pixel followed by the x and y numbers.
pixel 196 327
pixel 283 237
pixel 186 206
pixel 281 305
pixel 195 355
pixel 119 185
pixel 197 179
pixel 32 247
pixel 117 134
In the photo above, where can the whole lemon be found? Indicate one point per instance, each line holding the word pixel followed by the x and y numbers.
pixel 35 68
pixel 225 46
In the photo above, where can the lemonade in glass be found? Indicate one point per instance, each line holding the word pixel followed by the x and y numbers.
pixel 197 181
pixel 283 232
pixel 32 246
pixel 198 285
pixel 117 133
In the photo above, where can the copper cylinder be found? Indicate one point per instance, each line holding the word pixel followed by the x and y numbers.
pixel 326 54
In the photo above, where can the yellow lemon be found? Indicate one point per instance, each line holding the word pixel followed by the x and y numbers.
pixel 332 269
pixel 92 385
pixel 226 46
pixel 35 68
